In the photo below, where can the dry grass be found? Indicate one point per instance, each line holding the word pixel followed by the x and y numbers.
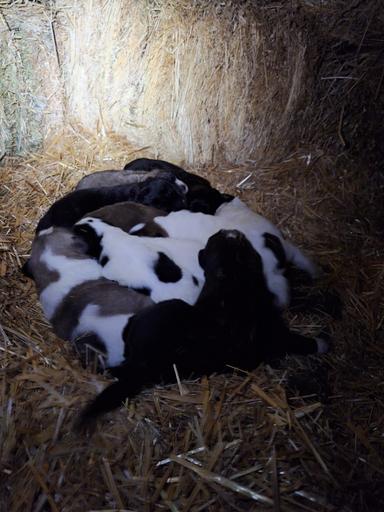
pixel 305 436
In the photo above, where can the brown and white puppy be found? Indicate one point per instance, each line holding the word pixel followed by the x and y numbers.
pixel 127 215
pixel 97 313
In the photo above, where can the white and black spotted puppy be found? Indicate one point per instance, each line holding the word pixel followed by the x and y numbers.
pixel 276 252
pixel 162 268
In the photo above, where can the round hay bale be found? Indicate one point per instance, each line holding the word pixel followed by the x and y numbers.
pixel 198 82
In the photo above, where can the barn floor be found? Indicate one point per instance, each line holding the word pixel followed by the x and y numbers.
pixel 308 435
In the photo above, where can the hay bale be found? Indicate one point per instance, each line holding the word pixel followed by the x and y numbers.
pixel 30 88
pixel 196 82
pixel 199 82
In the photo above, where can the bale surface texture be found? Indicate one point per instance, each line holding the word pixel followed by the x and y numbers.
pixel 197 82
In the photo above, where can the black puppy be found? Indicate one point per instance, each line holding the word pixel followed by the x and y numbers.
pixel 234 322
pixel 163 193
pixel 201 196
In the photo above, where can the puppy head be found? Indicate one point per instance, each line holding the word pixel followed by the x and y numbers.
pixel 228 254
pixel 166 194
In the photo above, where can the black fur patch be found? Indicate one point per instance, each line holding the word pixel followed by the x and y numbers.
pixel 104 260
pixel 91 238
pixel 195 281
pixel 143 290
pixel 166 270
pixel 273 243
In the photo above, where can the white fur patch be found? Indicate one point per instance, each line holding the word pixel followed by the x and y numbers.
pixel 72 273
pixel 132 260
pixel 108 328
pixel 137 227
pixel 47 231
pixel 182 185
pixel 231 234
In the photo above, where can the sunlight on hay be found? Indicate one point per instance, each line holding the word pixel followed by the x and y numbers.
pixel 197 82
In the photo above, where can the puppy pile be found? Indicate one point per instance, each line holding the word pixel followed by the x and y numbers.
pixel 154 268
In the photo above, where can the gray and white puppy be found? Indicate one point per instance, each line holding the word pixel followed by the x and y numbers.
pixel 113 178
pixel 98 312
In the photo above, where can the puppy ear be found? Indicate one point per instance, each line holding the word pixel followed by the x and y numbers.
pixel 88 235
pixel 26 270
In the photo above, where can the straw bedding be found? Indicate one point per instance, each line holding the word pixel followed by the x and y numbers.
pixel 307 435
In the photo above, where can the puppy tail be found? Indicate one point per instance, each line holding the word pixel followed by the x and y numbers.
pixel 109 399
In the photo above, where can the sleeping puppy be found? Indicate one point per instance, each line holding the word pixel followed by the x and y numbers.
pixel 96 313
pixel 75 298
pixel 234 322
pixel 163 268
pixel 165 193
pixel 128 215
pixel 58 263
pixel 200 195
pixel 276 252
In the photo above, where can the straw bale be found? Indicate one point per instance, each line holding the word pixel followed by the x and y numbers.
pixel 306 435
pixel 30 85
pixel 199 81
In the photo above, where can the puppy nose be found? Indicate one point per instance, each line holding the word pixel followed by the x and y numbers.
pixel 232 233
